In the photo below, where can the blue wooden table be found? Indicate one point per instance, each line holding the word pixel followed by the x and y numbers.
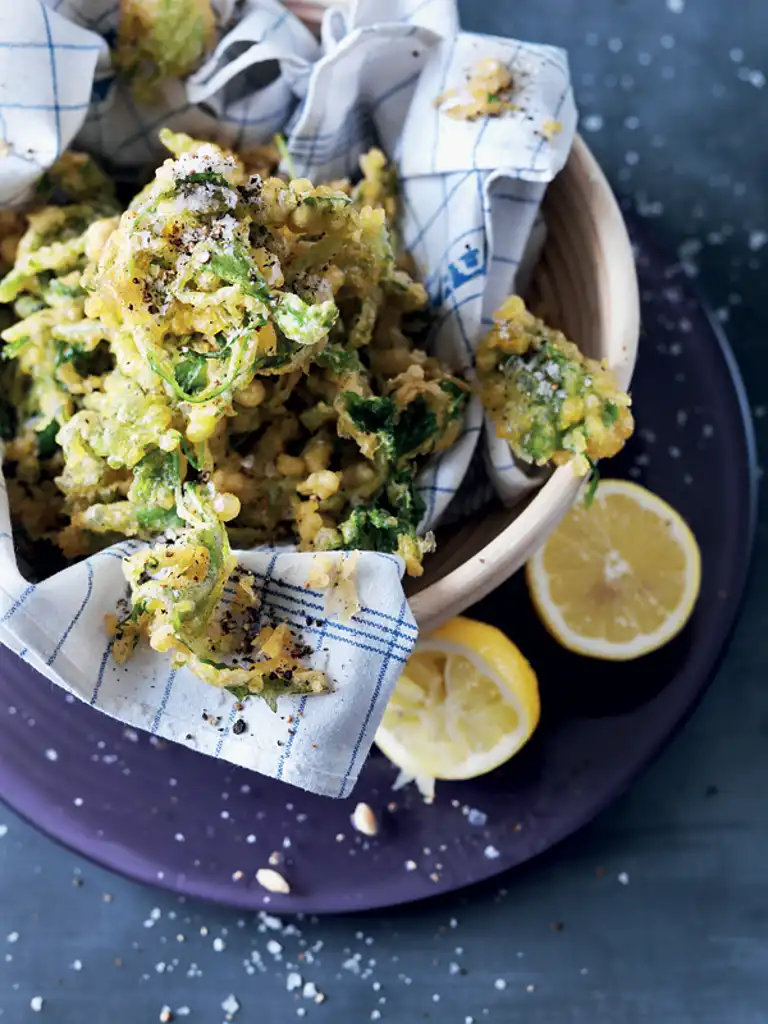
pixel 657 912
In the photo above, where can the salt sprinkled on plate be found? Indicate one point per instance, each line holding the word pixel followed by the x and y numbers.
pixel 230 1006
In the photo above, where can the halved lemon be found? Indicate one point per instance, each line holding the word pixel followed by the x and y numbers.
pixel 617 579
pixel 466 702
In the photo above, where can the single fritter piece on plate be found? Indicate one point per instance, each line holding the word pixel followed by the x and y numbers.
pixel 551 403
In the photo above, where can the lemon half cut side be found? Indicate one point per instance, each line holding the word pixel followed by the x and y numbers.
pixel 617 579
pixel 466 702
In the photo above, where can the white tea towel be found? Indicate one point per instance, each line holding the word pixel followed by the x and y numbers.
pixel 471 194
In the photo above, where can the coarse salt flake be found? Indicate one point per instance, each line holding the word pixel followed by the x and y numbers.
pixel 230 1005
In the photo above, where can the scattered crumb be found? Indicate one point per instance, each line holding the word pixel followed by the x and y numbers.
pixel 550 129
pixel 36 1003
pixel 272 881
pixel 623 878
pixel 166 1015
pixel 364 820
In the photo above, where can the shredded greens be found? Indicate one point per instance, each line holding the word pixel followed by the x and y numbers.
pixel 228 361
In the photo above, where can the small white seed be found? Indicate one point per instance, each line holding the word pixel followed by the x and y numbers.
pixel 272 881
pixel 364 820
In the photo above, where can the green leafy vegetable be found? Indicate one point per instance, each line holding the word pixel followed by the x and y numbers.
pixel 401 431
pixel 594 483
pixel 339 360
pixel 68 353
pixel 12 348
pixel 459 398
pixel 326 202
pixel 237 268
pixel 396 512
pixel 156 484
pixel 191 374
pixel 372 415
pixel 415 426
pixel 26 305
pixel 610 413
pixel 60 290
pixel 302 322
pixel 46 440
pixel 204 178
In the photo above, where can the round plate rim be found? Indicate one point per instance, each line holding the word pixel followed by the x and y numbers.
pixel 687 704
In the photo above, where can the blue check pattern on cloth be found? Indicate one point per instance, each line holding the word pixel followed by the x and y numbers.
pixel 470 193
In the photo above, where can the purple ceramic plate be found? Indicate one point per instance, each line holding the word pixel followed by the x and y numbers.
pixel 165 815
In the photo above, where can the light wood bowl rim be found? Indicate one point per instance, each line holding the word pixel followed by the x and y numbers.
pixel 619 297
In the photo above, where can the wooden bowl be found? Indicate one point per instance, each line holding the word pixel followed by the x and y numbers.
pixel 585 284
